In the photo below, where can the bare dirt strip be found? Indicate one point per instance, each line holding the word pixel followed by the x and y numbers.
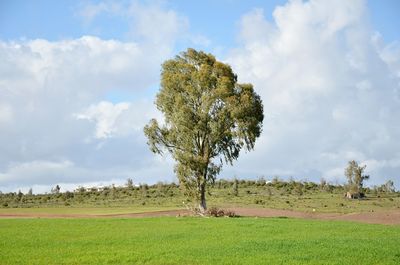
pixel 388 217
pixel 73 215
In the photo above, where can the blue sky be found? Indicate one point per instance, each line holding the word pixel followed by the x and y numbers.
pixel 78 80
pixel 55 20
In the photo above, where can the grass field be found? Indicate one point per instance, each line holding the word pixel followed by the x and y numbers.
pixel 196 241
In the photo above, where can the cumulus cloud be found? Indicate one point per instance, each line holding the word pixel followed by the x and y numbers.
pixel 330 88
pixel 151 22
pixel 105 114
pixel 329 83
pixel 57 123
pixel 118 119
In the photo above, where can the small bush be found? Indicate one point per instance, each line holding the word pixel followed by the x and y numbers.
pixel 259 201
pixel 216 212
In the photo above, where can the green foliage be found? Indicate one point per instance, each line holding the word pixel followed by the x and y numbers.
pixel 388 187
pixel 177 241
pixel 355 177
pixel 129 183
pixel 19 195
pixel 235 188
pixel 303 196
pixel 209 117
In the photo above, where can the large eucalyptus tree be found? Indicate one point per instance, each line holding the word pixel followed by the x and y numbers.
pixel 209 118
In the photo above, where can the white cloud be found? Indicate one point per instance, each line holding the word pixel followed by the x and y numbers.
pixel 155 24
pixel 35 169
pixel 45 85
pixel 90 11
pixel 105 115
pixel 152 22
pixel 330 89
pixel 119 119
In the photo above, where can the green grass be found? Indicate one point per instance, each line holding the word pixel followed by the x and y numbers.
pixel 196 241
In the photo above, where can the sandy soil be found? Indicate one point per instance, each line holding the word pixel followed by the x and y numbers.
pixel 390 217
pixel 128 215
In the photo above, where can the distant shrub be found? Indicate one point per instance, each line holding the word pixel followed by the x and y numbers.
pixel 144 189
pixel 235 190
pixel 68 195
pixel 80 189
pixel 129 183
pixel 259 201
pixel 261 181
pixel 269 191
pixel 216 212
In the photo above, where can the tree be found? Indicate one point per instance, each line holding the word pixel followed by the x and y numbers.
pixel 323 184
pixel 129 183
pixel 235 189
pixel 56 189
pixel 30 192
pixel 388 187
pixel 20 194
pixel 355 177
pixel 209 118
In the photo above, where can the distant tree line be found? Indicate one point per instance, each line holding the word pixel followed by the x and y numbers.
pixel 162 193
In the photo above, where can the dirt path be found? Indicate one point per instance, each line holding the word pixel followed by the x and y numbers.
pixel 390 217
pixel 122 215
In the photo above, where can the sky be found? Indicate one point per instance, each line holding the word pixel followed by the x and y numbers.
pixel 78 81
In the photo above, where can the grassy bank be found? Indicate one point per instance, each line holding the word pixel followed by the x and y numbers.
pixel 196 241
pixel 302 196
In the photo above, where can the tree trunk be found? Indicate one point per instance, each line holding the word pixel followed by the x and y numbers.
pixel 203 205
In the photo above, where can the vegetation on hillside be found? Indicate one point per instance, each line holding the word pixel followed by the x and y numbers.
pixel 298 195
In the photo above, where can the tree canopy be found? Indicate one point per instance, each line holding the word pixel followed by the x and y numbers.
pixel 355 177
pixel 208 118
